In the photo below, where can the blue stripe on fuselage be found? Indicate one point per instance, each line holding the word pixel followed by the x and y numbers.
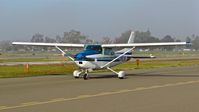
pixel 82 55
pixel 122 53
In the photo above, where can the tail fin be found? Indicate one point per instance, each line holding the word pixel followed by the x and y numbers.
pixel 131 38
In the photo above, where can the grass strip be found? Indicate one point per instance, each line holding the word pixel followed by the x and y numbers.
pixel 64 69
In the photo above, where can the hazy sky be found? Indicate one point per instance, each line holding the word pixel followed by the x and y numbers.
pixel 20 19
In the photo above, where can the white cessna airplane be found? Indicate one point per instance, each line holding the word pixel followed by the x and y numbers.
pixel 101 56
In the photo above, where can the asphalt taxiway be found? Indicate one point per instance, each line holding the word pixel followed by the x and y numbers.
pixel 150 90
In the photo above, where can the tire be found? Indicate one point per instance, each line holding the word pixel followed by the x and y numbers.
pixel 85 76
pixel 76 77
pixel 76 74
pixel 121 75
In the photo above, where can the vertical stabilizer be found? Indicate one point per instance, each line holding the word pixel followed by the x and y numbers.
pixel 131 38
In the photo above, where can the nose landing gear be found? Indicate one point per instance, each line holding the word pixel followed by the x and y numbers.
pixel 85 76
pixel 77 74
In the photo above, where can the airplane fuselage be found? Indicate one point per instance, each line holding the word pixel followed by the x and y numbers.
pixel 98 62
pixel 94 57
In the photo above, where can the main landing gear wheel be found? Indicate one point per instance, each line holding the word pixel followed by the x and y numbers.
pixel 121 75
pixel 85 76
pixel 76 74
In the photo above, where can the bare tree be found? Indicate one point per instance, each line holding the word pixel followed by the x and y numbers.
pixel 58 39
pixel 73 37
pixel 106 40
pixel 37 38
pixel 49 40
pixel 123 38
pixel 195 43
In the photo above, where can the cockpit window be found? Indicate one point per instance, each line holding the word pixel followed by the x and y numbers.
pixel 93 47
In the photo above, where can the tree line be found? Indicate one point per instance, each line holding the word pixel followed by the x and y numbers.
pixel 75 36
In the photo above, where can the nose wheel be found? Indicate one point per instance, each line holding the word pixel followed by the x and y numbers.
pixel 77 74
pixel 85 76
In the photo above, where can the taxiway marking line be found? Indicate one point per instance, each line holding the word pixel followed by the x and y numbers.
pixel 97 95
pixel 2 107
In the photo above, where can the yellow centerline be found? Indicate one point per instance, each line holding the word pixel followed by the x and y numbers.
pixel 98 95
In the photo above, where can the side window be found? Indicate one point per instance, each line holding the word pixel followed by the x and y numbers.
pixel 108 51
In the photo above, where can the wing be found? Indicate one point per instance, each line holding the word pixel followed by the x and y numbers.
pixel 49 44
pixel 129 45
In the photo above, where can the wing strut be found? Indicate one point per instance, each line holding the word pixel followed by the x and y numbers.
pixel 117 58
pixel 64 53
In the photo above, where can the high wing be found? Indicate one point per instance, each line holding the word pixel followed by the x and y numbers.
pixel 129 45
pixel 57 45
pixel 49 44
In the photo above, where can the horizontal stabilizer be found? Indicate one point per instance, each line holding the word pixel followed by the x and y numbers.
pixel 142 57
